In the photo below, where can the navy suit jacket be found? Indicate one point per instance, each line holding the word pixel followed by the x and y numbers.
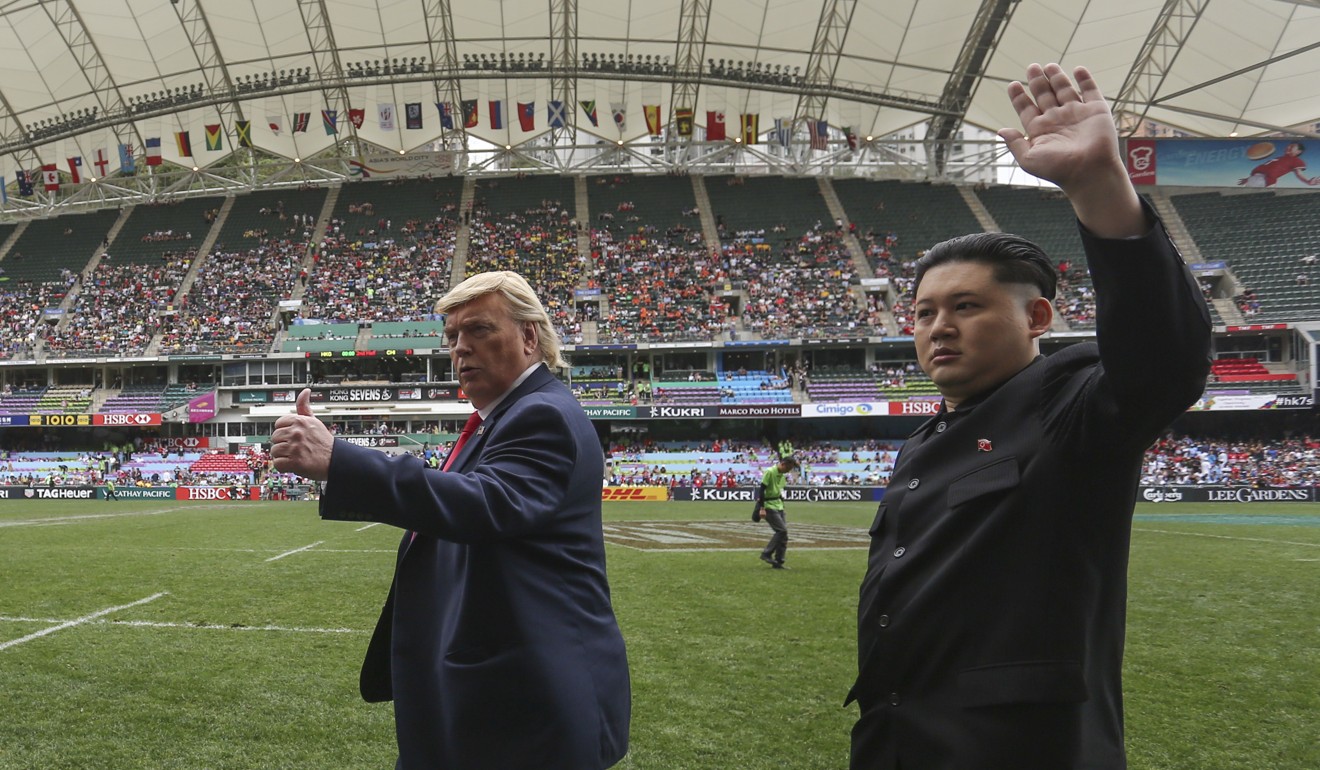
pixel 498 643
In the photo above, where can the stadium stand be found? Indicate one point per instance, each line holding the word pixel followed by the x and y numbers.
pixel 49 249
pixel 1045 217
pixel 651 261
pixel 1270 242
pixel 388 253
pixel 255 263
pixel 781 246
pixel 903 218
pixel 528 224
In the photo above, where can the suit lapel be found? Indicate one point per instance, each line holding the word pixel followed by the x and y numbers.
pixel 472 449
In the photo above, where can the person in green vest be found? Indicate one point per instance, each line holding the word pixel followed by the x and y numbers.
pixel 785 448
pixel 770 502
pixel 110 493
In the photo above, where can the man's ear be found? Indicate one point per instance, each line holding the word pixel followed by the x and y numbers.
pixel 1040 316
pixel 531 337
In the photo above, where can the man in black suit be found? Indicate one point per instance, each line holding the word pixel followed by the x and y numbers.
pixel 498 643
pixel 991 616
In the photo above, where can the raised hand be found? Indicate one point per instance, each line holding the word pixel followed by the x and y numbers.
pixel 301 443
pixel 1068 138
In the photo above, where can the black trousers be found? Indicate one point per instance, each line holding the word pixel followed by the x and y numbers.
pixel 779 540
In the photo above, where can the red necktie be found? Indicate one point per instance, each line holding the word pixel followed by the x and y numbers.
pixel 469 428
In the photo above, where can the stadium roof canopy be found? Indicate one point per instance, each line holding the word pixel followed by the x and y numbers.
pixel 86 75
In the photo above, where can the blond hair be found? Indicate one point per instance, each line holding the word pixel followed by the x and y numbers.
pixel 519 298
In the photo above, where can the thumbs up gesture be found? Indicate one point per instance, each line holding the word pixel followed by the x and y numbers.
pixel 304 404
pixel 301 443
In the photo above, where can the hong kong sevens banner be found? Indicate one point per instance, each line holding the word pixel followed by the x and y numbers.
pixel 1248 163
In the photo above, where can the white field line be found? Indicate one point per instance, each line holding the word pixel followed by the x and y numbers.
pixel 1227 537
pixel 369 526
pixel 200 626
pixel 76 519
pixel 296 550
pixel 79 621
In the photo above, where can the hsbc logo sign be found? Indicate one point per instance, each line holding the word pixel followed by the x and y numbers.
pixel 129 419
pixel 914 407
pixel 216 493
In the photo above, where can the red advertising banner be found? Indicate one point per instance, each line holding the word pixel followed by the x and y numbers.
pixel 217 493
pixel 914 407
pixel 131 420
pixel 185 442
pixel 1140 156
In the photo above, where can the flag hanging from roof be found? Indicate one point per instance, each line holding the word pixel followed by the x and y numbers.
pixel 301 120
pixel 75 169
pixel 750 127
pixel 184 144
pixel 329 119
pixel 412 115
pixel 102 163
pixel 357 116
pixel 652 112
pixel 470 116
pixel 24 181
pixel 127 161
pixel 213 140
pixel 783 131
pixel 51 176
pixel 4 191
pixel 852 137
pixel 276 124
pixel 820 135
pixel 385 116
pixel 153 151
pixel 446 115
pixel 527 116
pixel 589 107
pixel 497 113
pixel 714 125
pixel 683 121
pixel 243 132
pixel 554 114
pixel 620 112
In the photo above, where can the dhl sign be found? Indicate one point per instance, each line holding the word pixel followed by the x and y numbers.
pixel 634 494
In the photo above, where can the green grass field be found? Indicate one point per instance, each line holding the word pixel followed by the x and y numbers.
pixel 228 635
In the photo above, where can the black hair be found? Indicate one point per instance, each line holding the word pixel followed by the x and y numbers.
pixel 1013 258
pixel 791 462
pixel 1301 148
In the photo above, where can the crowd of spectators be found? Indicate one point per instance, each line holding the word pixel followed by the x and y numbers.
pixel 380 273
pixel 539 242
pixel 22 306
pixel 1186 460
pixel 662 287
pixel 802 288
pixel 233 298
pixel 119 306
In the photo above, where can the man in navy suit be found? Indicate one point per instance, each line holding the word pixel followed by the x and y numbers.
pixel 498 643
